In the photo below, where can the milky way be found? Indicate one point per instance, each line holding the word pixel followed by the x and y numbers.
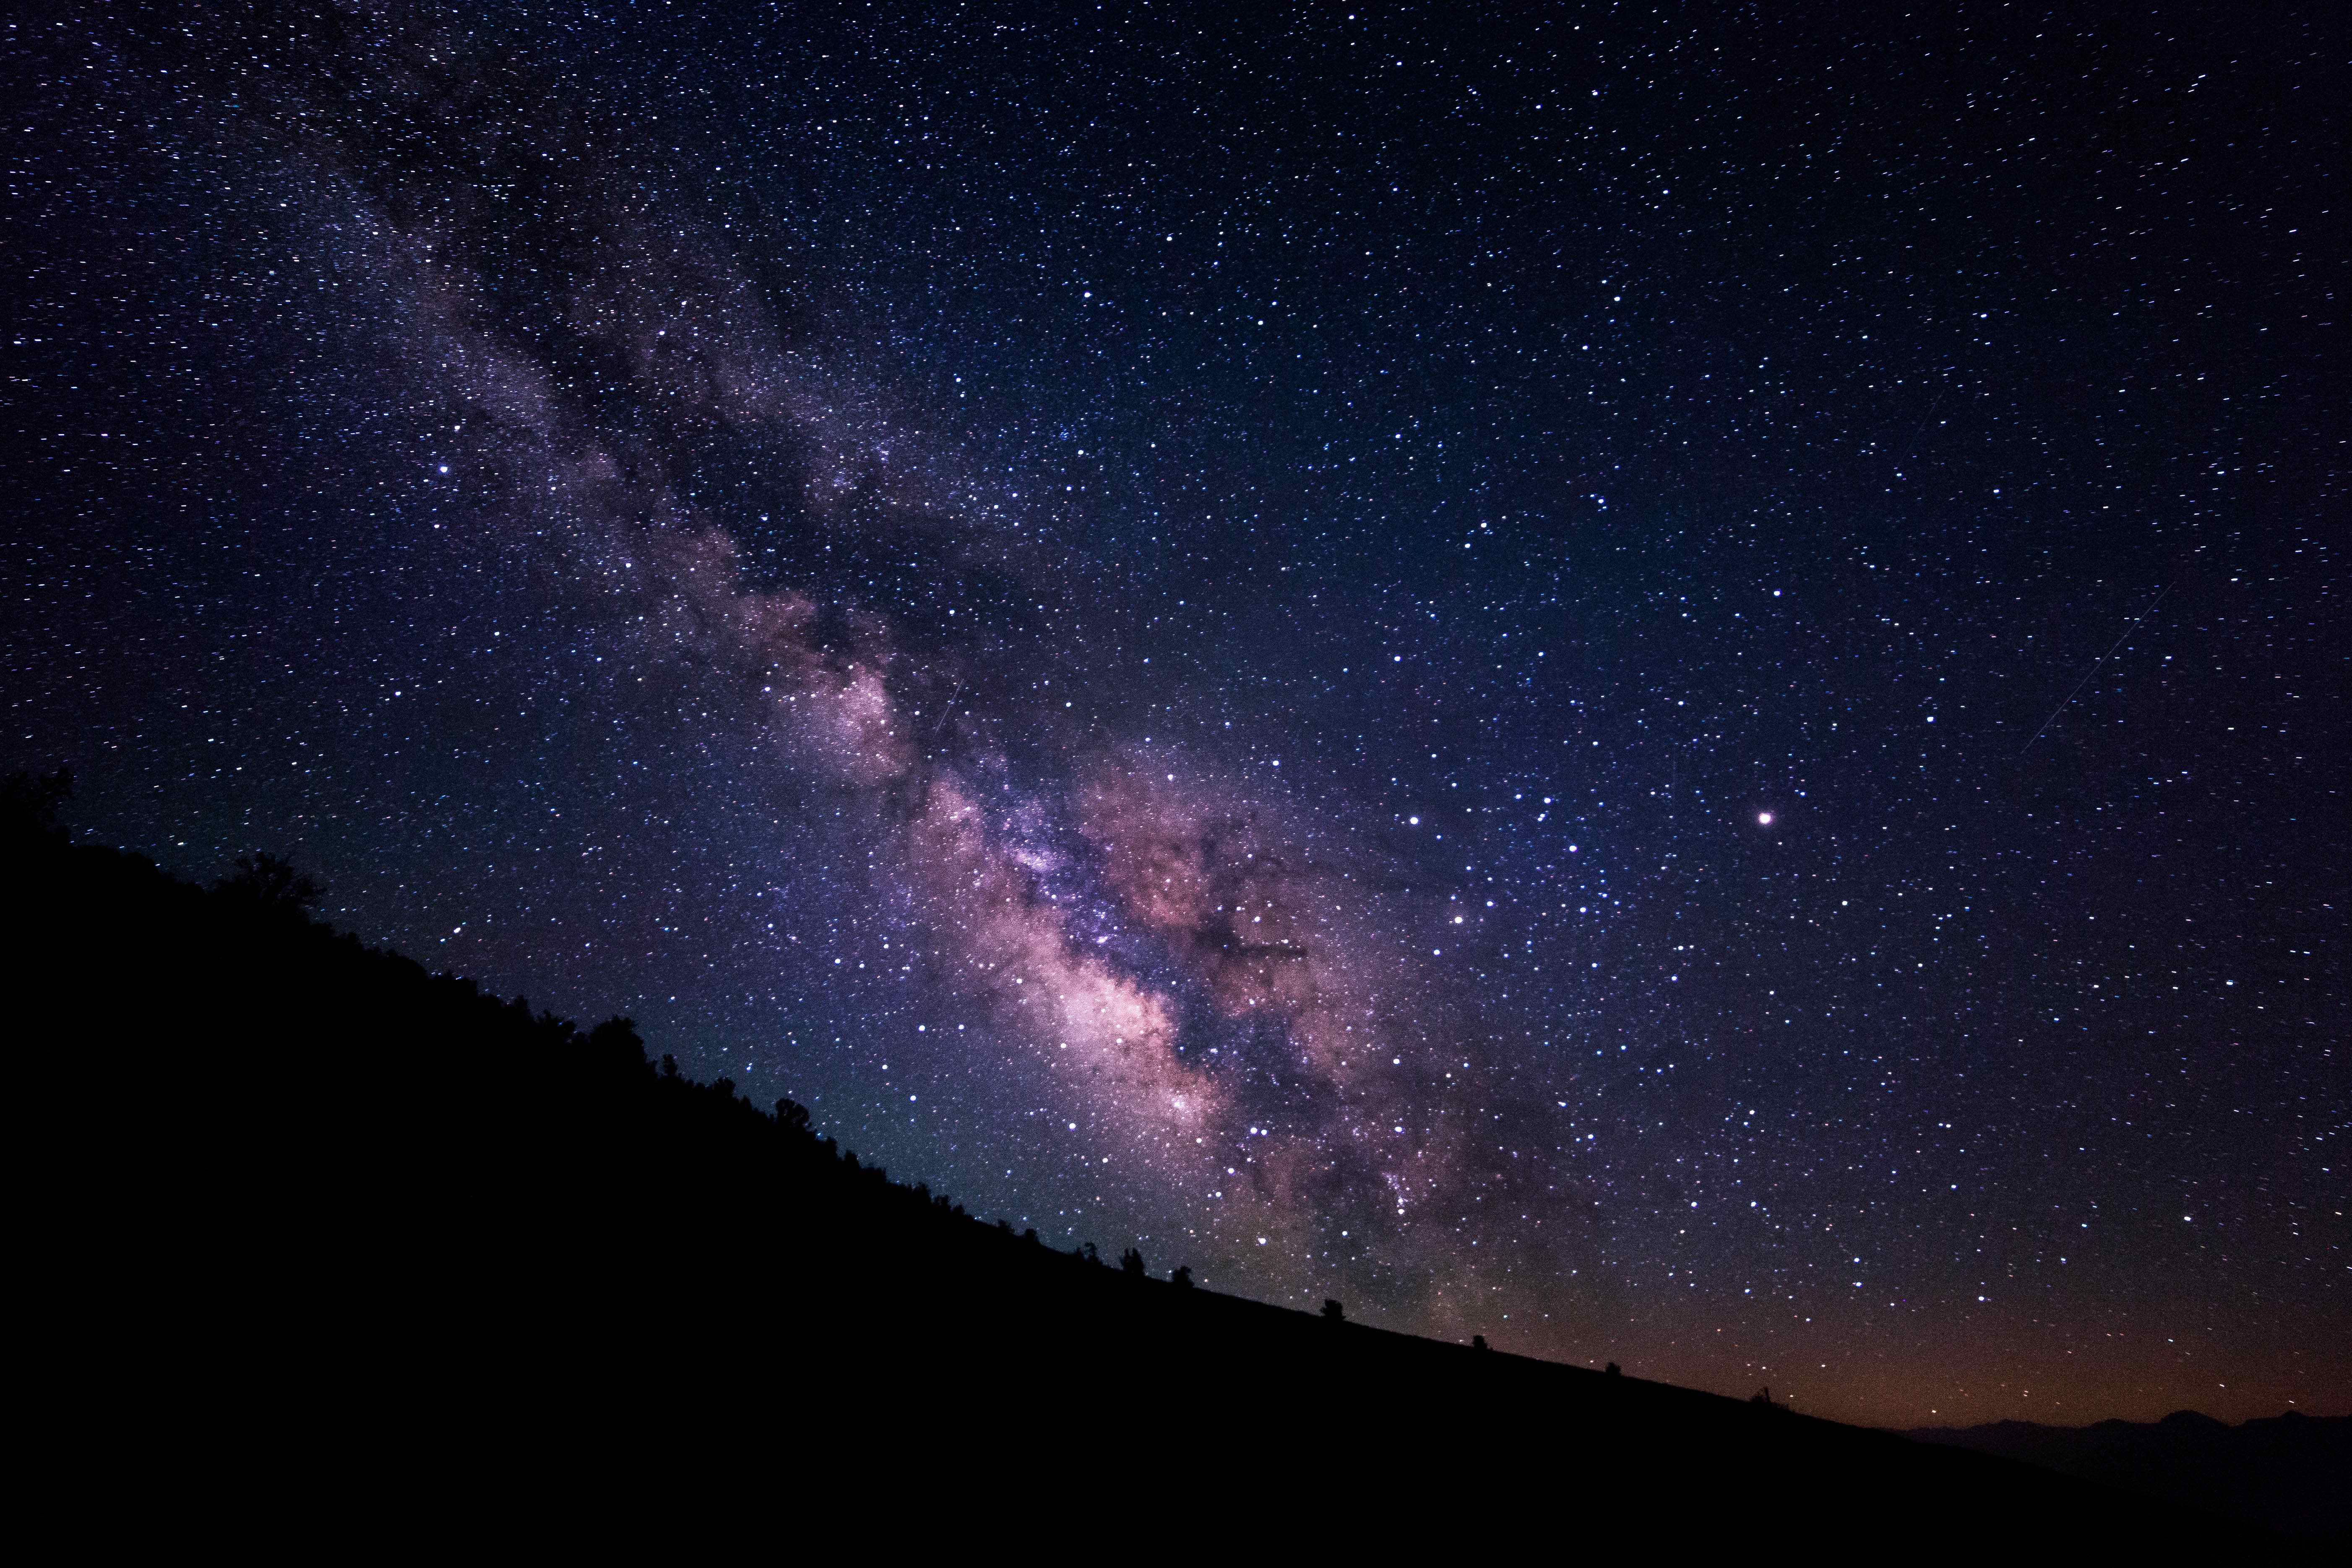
pixel 1389 660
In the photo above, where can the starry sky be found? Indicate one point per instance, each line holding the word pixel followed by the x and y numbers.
pixel 1665 682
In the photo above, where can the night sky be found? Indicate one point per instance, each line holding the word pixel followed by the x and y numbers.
pixel 1663 682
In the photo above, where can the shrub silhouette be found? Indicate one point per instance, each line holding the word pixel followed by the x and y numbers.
pixel 29 803
pixel 1333 1312
pixel 269 886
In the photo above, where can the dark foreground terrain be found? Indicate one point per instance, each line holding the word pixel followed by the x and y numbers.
pixel 2291 1472
pixel 329 1251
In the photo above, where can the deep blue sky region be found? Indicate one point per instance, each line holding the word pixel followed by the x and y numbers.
pixel 1664 683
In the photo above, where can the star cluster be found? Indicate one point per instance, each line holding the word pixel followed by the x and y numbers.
pixel 1663 684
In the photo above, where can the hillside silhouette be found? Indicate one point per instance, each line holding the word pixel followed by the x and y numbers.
pixel 303 1209
pixel 2291 1472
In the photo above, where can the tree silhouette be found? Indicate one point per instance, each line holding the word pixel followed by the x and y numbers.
pixel 1333 1312
pixel 1183 1278
pixel 1131 1262
pixel 270 886
pixel 29 803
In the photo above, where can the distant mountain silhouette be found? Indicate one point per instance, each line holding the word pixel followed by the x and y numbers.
pixel 311 1237
pixel 2290 1472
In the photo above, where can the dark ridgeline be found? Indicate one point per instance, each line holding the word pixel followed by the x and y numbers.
pixel 302 1209
pixel 2292 1472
